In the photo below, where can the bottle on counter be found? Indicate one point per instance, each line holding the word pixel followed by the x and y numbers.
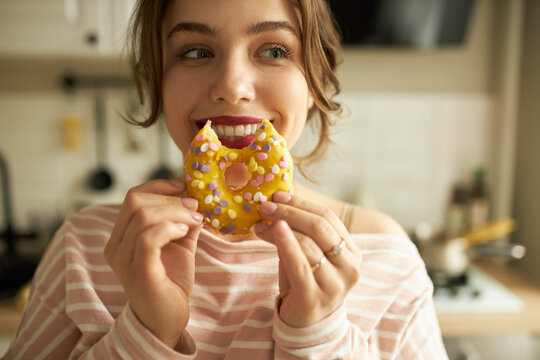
pixel 456 221
pixel 479 209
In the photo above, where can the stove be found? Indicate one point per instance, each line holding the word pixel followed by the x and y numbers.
pixel 476 291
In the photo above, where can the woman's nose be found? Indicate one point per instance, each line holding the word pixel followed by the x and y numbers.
pixel 234 81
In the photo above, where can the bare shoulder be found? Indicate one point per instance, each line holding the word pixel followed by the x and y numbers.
pixel 357 219
pixel 373 222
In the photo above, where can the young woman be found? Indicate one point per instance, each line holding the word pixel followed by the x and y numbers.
pixel 145 280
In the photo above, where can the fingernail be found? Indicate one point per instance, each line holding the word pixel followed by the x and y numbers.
pixel 190 203
pixel 196 216
pixel 178 183
pixel 183 227
pixel 281 196
pixel 268 207
pixel 260 227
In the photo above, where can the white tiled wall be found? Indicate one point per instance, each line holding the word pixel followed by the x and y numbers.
pixel 397 152
pixel 401 153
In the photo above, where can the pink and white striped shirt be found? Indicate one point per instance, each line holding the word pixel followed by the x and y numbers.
pixel 78 309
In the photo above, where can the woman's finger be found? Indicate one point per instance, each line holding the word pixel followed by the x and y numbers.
pixel 162 187
pixel 149 217
pixel 328 278
pixel 150 241
pixel 309 218
pixel 293 200
pixel 166 193
pixel 306 222
pixel 306 205
pixel 295 263
pixel 190 240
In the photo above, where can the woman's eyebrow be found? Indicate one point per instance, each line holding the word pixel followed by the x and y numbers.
pixel 191 27
pixel 267 26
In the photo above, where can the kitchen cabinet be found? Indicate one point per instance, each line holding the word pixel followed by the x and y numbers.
pixel 63 28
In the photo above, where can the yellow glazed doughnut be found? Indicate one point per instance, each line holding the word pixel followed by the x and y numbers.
pixel 266 166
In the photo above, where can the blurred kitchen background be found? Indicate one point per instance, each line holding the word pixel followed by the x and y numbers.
pixel 440 128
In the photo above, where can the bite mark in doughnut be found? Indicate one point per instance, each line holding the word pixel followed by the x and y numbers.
pixel 266 165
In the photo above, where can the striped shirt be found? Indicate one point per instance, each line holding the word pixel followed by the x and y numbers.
pixel 78 309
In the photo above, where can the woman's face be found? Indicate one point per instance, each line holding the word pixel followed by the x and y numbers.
pixel 235 62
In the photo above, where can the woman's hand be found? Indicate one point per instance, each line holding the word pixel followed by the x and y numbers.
pixel 318 263
pixel 152 251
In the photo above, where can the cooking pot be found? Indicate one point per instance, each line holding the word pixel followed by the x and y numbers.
pixel 450 258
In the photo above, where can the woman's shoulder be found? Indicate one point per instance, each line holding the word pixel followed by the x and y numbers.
pixel 357 219
pixel 368 221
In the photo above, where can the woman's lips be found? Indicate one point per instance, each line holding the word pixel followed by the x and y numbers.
pixel 238 143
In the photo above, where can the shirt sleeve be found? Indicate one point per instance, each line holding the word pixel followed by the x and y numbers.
pixel 66 318
pixel 422 339
pixel 128 338
pixel 332 338
pixel 337 338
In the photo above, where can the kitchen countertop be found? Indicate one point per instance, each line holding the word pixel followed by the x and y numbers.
pixel 452 324
pixel 9 318
pixel 498 323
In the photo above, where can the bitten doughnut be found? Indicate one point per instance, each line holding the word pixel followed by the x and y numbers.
pixel 230 183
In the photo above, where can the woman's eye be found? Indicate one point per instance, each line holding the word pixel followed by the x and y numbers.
pixel 277 52
pixel 196 54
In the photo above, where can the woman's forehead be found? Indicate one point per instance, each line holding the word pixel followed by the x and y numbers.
pixel 226 13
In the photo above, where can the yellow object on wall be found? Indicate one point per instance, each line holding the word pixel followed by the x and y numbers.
pixel 72 131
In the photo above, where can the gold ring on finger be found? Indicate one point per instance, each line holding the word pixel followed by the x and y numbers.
pixel 336 250
pixel 319 264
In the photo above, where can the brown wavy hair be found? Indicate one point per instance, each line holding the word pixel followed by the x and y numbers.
pixel 321 52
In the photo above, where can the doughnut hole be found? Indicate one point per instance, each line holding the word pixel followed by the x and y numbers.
pixel 236 176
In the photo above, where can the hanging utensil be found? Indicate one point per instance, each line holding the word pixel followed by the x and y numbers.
pixel 101 179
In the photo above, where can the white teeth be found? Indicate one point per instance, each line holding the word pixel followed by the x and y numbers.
pixel 230 132
pixel 239 130
pixel 220 130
